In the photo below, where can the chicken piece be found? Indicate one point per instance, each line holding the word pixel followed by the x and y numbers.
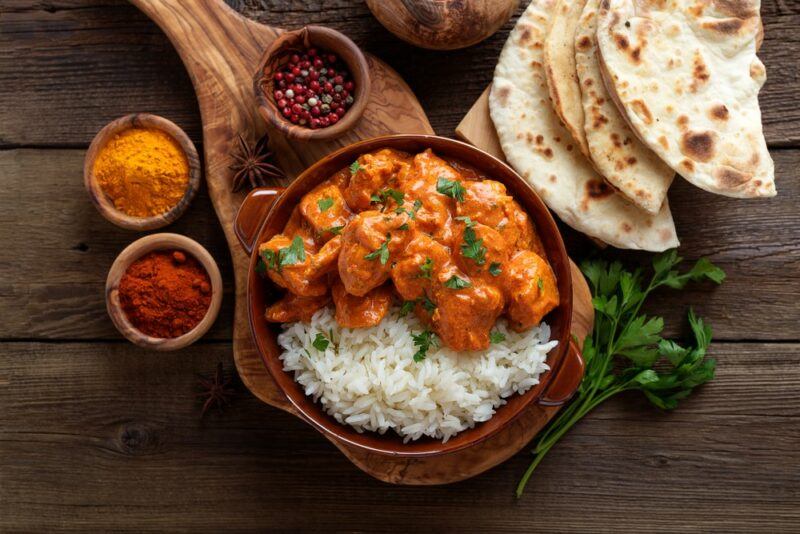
pixel 376 171
pixel 369 243
pixel 326 260
pixel 463 318
pixel 531 288
pixel 297 225
pixel 291 267
pixel 364 311
pixel 488 202
pixel 433 213
pixel 324 209
pixel 480 251
pixel 418 266
pixel 292 308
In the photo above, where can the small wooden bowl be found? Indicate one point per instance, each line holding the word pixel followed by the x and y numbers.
pixel 101 201
pixel 136 250
pixel 277 54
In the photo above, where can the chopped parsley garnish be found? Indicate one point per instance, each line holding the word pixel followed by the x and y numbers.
pixel 384 194
pixel 426 269
pixel 320 342
pixel 494 268
pixel 450 188
pixel 403 226
pixel 407 306
pixel 497 337
pixel 261 267
pixel 412 212
pixel 540 284
pixel 355 167
pixel 294 253
pixel 472 247
pixel 381 253
pixel 457 283
pixel 324 204
pixel 423 341
pixel 335 230
pixel 428 304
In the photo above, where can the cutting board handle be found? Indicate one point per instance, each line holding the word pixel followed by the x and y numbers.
pixel 252 214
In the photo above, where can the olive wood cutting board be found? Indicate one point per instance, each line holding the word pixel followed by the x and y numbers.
pixel 221 51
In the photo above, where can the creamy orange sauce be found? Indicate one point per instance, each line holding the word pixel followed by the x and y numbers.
pixel 435 235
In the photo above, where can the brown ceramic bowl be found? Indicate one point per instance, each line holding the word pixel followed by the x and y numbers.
pixel 277 54
pixel 136 250
pixel 106 207
pixel 264 214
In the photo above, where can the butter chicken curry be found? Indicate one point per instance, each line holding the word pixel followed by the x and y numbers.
pixel 451 245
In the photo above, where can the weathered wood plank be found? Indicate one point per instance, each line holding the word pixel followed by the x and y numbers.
pixel 108 436
pixel 57 250
pixel 67 67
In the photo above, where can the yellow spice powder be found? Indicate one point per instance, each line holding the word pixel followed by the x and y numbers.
pixel 143 171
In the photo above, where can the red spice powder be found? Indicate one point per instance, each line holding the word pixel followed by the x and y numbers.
pixel 165 293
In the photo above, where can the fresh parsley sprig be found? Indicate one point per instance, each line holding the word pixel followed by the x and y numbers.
pixel 625 350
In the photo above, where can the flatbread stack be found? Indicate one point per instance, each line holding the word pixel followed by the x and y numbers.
pixel 598 103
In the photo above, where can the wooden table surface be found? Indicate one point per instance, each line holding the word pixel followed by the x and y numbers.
pixel 98 434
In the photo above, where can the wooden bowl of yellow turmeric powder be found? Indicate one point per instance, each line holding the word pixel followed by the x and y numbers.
pixel 141 172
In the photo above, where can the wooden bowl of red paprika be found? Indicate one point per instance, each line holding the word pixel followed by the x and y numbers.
pixel 164 291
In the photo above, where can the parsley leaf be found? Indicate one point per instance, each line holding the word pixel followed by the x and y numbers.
pixel 472 247
pixel 385 194
pixel 335 230
pixel 450 188
pixel 428 304
pixel 496 337
pixel 423 341
pixel 407 306
pixel 320 342
pixel 270 259
pixel 324 204
pixel 540 284
pixel 355 167
pixel 403 226
pixel 381 253
pixel 294 253
pixel 454 282
pixel 494 268
pixel 261 266
pixel 426 269
pixel 625 350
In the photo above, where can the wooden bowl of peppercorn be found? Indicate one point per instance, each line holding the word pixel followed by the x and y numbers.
pixel 163 292
pixel 312 83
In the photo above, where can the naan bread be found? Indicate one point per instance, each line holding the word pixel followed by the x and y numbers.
pixel 535 144
pixel 632 168
pixel 559 67
pixel 686 74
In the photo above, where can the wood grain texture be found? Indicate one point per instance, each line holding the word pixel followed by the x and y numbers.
pixel 69 51
pixel 752 242
pixel 110 438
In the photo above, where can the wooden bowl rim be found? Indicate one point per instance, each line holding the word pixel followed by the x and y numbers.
pixel 356 62
pixel 99 198
pixel 136 250
pixel 316 416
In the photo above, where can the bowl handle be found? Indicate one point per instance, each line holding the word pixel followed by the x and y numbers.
pixel 252 213
pixel 564 385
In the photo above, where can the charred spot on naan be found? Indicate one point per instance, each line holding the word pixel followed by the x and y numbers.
pixel 742 9
pixel 584 43
pixel 700 74
pixel 730 178
pixel 642 111
pixel 502 95
pixel 598 189
pixel 719 112
pixel 699 146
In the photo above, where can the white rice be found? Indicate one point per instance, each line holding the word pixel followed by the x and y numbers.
pixel 367 378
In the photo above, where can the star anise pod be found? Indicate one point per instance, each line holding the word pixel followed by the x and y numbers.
pixel 252 165
pixel 215 390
